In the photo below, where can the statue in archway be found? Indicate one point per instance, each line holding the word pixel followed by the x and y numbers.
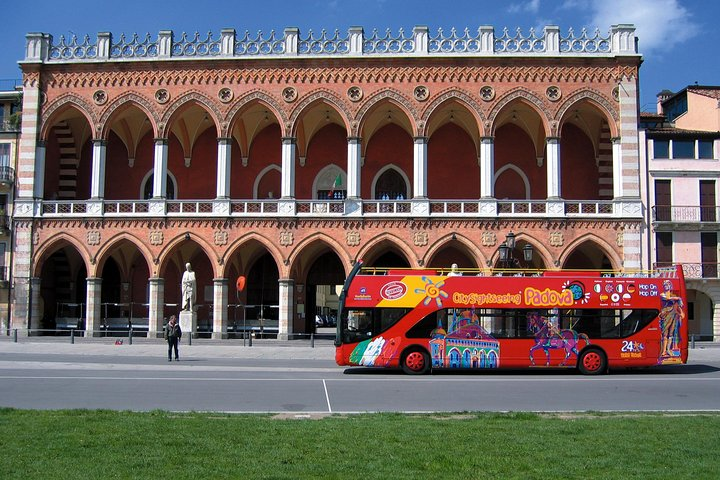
pixel 188 288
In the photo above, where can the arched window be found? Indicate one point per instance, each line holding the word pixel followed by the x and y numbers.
pixel 148 187
pixel 391 185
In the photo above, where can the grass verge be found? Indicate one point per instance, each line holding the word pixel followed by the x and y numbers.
pixel 108 444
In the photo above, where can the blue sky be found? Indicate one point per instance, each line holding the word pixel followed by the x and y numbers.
pixel 678 38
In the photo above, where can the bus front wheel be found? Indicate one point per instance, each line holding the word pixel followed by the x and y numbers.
pixel 416 362
pixel 592 362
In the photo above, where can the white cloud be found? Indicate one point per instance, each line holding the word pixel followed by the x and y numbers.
pixel 658 23
pixel 531 6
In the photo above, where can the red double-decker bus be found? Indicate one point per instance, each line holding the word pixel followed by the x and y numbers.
pixel 420 320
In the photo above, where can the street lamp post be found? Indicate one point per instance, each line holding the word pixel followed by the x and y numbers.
pixel 505 251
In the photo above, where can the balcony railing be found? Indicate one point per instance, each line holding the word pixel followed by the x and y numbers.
pixel 9 126
pixel 697 270
pixel 329 208
pixel 7 175
pixel 685 213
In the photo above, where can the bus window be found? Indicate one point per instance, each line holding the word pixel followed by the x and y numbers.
pixel 361 324
pixel 390 316
pixel 425 327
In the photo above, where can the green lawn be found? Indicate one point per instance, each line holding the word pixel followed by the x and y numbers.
pixel 104 444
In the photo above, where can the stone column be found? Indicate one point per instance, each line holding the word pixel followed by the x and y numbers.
pixel 288 168
pixel 223 167
pixel 420 167
pixel 287 307
pixel 39 179
pixel 487 167
pixel 93 311
pixel 220 307
pixel 97 188
pixel 36 314
pixel 553 167
pixel 160 168
pixel 156 308
pixel 353 167
pixel 617 168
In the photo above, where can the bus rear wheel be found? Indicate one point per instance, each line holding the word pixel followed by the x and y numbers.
pixel 592 362
pixel 416 362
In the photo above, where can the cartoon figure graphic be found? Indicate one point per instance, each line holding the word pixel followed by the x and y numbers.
pixel 671 317
pixel 549 337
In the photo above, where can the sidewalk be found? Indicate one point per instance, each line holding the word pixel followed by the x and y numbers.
pixel 200 348
pixel 205 348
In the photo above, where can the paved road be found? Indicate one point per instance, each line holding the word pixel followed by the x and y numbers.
pixel 301 380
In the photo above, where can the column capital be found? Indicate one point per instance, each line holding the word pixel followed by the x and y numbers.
pixel 41 143
pixel 487 139
pixel 220 281
pixel 224 140
pixel 552 140
pixel 616 140
pixel 354 140
pixel 289 140
pixel 100 142
pixel 160 141
pixel 420 139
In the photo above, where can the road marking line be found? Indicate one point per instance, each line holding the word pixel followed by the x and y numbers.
pixel 327 397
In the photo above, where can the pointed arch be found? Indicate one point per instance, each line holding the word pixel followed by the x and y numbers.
pixel 599 242
pixel 399 171
pixel 243 240
pixel 63 104
pixel 243 102
pixel 598 101
pixel 393 97
pixel 111 244
pixel 393 241
pixel 516 169
pixel 459 96
pixel 182 103
pixel 320 96
pixel 300 251
pixel 528 99
pixel 55 243
pixel 446 241
pixel 165 255
pixel 120 104
pixel 258 179
pixel 327 176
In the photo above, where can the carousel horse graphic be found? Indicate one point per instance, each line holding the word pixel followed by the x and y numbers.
pixel 549 337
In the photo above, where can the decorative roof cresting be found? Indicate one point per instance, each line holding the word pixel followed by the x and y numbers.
pixel 620 40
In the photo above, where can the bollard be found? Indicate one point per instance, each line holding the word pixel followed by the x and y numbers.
pixel 15 335
pixel 312 340
pixel 72 335
pixel 130 336
pixel 250 340
pixel 692 341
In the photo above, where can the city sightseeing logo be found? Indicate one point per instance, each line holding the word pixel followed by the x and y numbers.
pixel 432 292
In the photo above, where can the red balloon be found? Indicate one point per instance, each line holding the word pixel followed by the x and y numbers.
pixel 240 284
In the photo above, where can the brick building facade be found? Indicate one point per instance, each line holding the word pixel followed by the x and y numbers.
pixel 286 158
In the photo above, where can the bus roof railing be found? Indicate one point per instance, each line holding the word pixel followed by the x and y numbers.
pixel 663 272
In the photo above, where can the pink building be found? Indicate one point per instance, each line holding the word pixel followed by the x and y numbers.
pixel 681 186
